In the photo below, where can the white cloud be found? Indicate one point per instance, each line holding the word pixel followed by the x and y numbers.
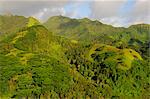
pixel 108 8
pixel 45 13
pixel 39 8
pixel 106 11
pixel 115 21
pixel 40 14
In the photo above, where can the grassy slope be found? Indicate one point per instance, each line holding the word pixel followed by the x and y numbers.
pixel 13 23
pixel 36 50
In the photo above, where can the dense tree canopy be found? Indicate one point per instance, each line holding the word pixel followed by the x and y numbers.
pixel 72 58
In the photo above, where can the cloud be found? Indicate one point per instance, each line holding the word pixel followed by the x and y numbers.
pixel 115 12
pixel 127 7
pixel 45 13
pixel 121 13
pixel 78 9
pixel 108 8
pixel 33 8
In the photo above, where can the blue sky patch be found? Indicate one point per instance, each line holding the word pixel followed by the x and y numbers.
pixel 127 7
pixel 78 10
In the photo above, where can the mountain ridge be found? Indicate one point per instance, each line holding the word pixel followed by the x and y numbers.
pixel 73 58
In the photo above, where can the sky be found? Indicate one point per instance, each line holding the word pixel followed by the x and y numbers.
pixel 115 12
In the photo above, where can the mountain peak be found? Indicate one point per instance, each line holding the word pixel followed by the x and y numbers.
pixel 32 21
pixel 58 17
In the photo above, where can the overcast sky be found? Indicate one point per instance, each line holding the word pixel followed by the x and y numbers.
pixel 115 12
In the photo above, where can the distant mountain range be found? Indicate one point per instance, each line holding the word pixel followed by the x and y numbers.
pixel 72 58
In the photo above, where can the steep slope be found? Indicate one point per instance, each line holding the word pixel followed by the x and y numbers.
pixel 78 27
pixel 32 51
pixel 33 64
pixel 114 71
pixel 86 30
pixel 122 58
pixel 140 38
pixel 73 58
pixel 13 23
pixel 32 39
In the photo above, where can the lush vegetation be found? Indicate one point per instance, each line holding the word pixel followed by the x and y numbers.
pixel 72 58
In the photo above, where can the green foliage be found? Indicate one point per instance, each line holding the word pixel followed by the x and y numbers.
pixel 32 22
pixel 9 67
pixel 100 64
pixel 26 42
pixel 89 31
pixel 12 23
pixel 72 58
pixel 50 74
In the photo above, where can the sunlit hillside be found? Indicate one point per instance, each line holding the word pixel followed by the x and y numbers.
pixel 65 58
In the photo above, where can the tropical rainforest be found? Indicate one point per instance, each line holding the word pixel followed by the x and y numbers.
pixel 65 58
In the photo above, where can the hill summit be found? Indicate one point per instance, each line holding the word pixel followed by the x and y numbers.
pixel 72 58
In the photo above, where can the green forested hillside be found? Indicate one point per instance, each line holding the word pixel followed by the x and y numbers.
pixel 95 31
pixel 12 23
pixel 72 58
